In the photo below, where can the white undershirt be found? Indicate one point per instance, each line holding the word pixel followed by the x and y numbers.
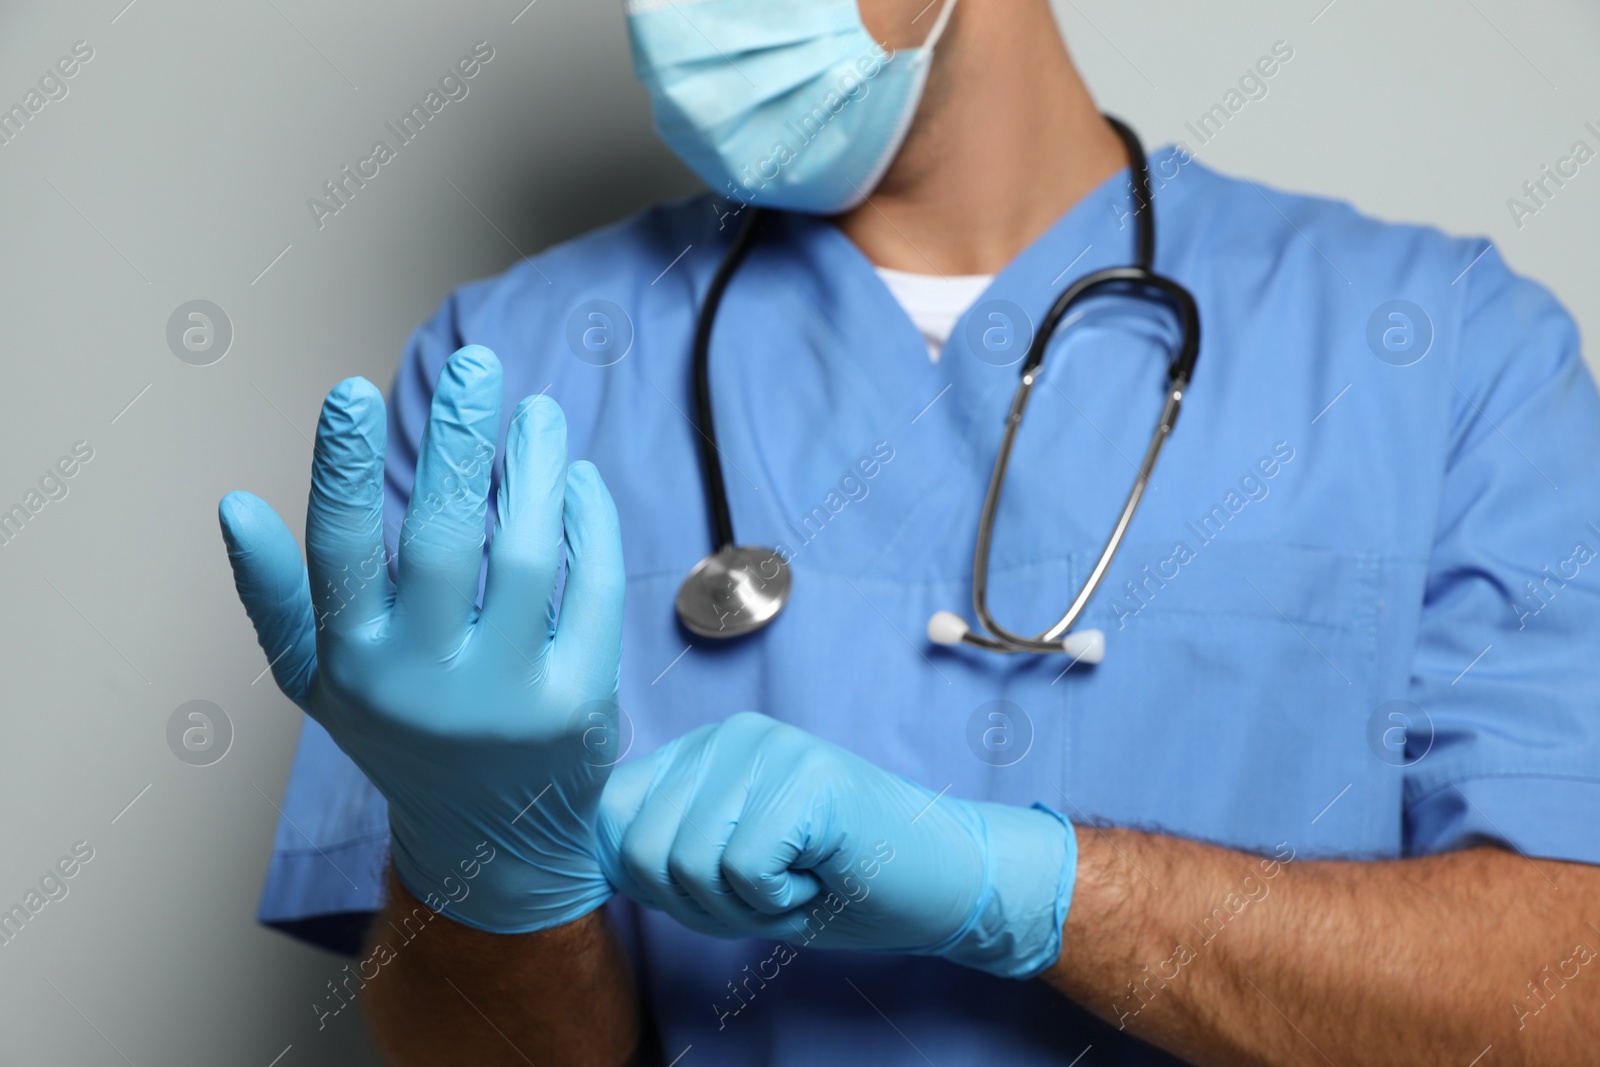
pixel 934 302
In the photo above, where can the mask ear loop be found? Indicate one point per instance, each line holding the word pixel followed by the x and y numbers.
pixel 938 26
pixel 923 57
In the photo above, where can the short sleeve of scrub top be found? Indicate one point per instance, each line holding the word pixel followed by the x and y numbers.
pixel 1508 752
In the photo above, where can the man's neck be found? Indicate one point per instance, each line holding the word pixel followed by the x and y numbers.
pixel 1006 141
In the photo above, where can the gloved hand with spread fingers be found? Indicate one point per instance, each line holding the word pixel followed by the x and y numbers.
pixel 490 732
pixel 754 828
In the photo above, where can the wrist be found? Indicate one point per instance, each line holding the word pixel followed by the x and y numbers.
pixel 1030 856
pixel 1112 904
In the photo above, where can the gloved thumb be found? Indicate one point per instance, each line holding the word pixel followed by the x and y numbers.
pixel 769 850
pixel 270 575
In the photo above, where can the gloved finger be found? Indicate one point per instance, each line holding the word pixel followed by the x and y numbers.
pixel 271 579
pixel 647 840
pixel 525 556
pixel 698 862
pixel 624 794
pixel 441 542
pixel 588 643
pixel 739 755
pixel 345 554
pixel 624 797
pixel 773 837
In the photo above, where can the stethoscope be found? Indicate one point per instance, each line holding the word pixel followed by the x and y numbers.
pixel 738 589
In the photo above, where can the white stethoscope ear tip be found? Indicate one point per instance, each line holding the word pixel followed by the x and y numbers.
pixel 1085 646
pixel 946 628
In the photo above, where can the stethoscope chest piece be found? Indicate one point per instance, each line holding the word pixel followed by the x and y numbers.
pixel 733 592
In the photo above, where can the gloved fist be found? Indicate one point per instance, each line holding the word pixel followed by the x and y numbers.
pixel 754 828
pixel 490 732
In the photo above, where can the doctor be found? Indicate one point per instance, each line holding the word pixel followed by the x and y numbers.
pixel 1330 797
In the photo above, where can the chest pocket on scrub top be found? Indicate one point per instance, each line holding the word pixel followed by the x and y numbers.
pixel 1234 700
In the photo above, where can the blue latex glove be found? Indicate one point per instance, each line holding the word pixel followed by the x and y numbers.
pixel 754 828
pixel 490 732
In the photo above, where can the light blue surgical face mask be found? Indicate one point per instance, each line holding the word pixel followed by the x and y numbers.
pixel 780 103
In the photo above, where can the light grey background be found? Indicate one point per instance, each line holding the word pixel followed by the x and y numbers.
pixel 178 167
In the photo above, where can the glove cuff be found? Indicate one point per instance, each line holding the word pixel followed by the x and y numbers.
pixel 1031 858
pixel 507 894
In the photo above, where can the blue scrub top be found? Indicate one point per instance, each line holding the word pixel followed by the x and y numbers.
pixel 1356 615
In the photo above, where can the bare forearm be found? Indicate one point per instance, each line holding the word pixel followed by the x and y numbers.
pixel 1227 958
pixel 445 993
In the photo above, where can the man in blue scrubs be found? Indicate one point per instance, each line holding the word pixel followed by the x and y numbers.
pixel 1331 797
